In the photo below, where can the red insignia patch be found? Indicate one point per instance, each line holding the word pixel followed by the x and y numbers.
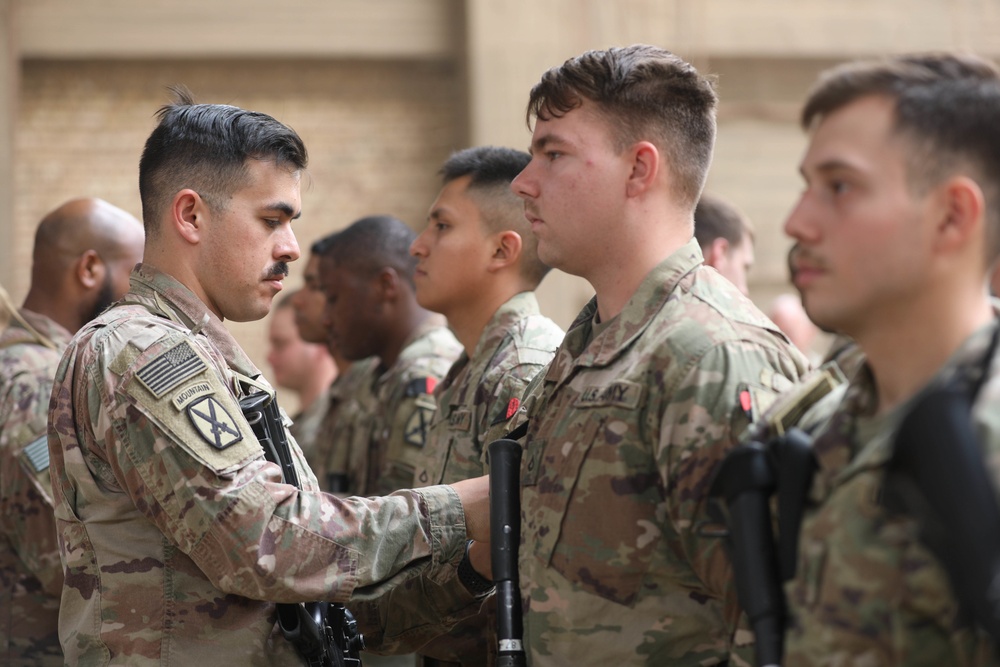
pixel 512 407
pixel 431 383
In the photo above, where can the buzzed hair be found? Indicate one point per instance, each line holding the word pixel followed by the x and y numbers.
pixel 371 244
pixel 205 147
pixel 491 169
pixel 716 218
pixel 946 111
pixel 645 93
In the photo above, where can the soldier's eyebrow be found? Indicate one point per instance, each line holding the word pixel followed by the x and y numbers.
pixel 285 208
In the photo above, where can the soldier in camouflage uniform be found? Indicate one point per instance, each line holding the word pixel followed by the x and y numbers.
pixel 84 251
pixel 367 276
pixel 328 450
pixel 895 234
pixel 656 377
pixel 305 368
pixel 176 534
pixel 479 267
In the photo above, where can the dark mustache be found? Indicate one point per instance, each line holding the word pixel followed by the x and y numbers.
pixel 279 270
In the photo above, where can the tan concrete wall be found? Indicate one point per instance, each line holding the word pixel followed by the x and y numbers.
pixel 376 133
pixel 383 90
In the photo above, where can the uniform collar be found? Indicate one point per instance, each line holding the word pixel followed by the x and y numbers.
pixel 164 294
pixel 580 349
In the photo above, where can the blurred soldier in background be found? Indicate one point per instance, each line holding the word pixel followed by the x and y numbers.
pixel 305 368
pixel 726 239
pixel 83 253
pixel 372 311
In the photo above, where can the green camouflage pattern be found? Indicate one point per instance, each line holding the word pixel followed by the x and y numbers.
pixel 395 409
pixel 31 575
pixel 624 436
pixel 177 536
pixel 866 591
pixel 332 448
pixel 486 389
pixel 307 425
pixel 516 344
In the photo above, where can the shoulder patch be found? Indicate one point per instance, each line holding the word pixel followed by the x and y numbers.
pixel 512 407
pixel 213 422
pixel 417 425
pixel 36 453
pixel 418 386
pixel 170 369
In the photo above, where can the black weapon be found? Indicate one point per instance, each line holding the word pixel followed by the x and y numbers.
pixel 937 475
pixel 746 480
pixel 505 538
pixel 325 634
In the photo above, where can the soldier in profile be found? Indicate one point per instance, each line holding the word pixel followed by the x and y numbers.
pixel 178 536
pixel 654 381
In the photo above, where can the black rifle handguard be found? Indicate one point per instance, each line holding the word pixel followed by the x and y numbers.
pixel 746 480
pixel 323 633
pixel 937 474
pixel 505 538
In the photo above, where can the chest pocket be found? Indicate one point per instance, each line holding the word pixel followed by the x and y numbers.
pixel 591 504
pixel 452 452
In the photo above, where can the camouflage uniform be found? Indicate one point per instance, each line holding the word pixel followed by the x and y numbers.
pixel 396 410
pixel 336 432
pixel 31 575
pixel 306 426
pixel 176 535
pixel 624 435
pixel 517 343
pixel 866 591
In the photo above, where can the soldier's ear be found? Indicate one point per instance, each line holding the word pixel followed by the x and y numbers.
pixel 90 270
pixel 507 247
pixel 387 284
pixel 960 210
pixel 645 168
pixel 188 214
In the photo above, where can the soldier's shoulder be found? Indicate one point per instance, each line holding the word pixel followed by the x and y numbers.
pixel 532 341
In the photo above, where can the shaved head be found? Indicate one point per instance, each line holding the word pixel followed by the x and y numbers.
pixel 84 251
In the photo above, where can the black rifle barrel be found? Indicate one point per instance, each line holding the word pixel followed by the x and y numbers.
pixel 505 538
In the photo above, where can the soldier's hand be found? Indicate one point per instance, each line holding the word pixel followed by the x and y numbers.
pixel 475 496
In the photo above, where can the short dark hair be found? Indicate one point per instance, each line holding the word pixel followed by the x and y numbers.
pixel 716 218
pixel 205 147
pixel 645 93
pixel 946 110
pixel 321 245
pixel 491 169
pixel 373 243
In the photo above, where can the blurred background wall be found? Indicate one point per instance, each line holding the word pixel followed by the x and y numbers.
pixel 383 90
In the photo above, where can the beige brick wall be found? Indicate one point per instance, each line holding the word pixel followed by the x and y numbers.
pixel 376 132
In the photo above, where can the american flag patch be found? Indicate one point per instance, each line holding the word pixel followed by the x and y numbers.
pixel 37 453
pixel 170 369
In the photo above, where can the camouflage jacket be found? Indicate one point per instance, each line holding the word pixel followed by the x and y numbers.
pixel 336 433
pixel 866 591
pixel 517 343
pixel 176 534
pixel 624 434
pixel 31 575
pixel 396 409
pixel 306 427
